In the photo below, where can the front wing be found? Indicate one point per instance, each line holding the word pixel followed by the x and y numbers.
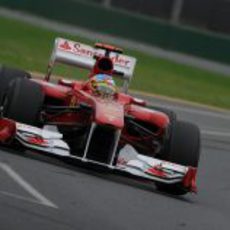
pixel 49 140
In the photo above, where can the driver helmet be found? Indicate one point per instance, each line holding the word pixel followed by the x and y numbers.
pixel 103 85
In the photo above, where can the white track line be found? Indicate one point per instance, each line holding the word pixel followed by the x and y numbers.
pixel 215 133
pixel 203 113
pixel 199 111
pixel 19 197
pixel 26 186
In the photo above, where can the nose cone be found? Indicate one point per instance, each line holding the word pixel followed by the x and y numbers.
pixel 109 113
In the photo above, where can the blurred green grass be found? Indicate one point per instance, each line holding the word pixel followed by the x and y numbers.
pixel 29 47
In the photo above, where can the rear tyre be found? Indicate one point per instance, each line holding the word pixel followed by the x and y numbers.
pixel 7 75
pixel 23 101
pixel 184 149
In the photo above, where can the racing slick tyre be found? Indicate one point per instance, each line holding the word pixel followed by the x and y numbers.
pixel 23 101
pixel 7 75
pixel 184 149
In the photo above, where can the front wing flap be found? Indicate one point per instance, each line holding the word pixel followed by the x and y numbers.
pixel 129 160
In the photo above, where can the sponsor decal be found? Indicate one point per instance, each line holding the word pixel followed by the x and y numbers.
pixel 112 111
pixel 156 171
pixel 65 46
pixel 83 51
pixel 87 51
pixel 118 60
pixel 121 161
pixel 73 101
pixel 37 141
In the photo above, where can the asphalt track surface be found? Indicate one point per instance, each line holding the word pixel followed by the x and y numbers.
pixel 40 192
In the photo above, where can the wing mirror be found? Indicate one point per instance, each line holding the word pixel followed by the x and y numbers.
pixel 138 101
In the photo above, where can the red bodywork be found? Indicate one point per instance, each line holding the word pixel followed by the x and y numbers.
pixel 111 112
pixel 106 111
pixel 7 130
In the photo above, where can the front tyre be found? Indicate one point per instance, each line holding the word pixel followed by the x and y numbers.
pixel 184 149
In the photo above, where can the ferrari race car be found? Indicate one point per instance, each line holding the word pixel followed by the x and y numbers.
pixel 94 122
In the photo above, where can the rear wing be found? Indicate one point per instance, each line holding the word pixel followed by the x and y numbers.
pixel 81 55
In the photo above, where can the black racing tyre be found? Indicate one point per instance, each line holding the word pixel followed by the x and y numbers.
pixel 7 75
pixel 23 101
pixel 184 149
pixel 185 145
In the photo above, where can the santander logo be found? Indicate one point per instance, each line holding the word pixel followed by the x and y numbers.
pixel 87 51
pixel 65 46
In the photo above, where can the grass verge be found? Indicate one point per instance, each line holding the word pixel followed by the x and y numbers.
pixel 28 47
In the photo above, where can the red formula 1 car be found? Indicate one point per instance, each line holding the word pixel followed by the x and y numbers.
pixel 94 122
